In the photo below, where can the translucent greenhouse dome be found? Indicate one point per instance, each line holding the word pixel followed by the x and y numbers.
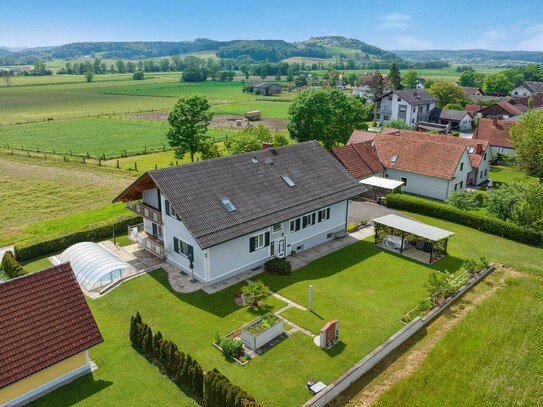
pixel 95 266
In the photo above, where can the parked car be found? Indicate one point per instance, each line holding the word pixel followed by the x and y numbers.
pixel 395 242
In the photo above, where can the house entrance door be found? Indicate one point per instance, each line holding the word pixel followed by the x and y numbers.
pixel 281 248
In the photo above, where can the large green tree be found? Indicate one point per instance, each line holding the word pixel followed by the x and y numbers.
pixel 503 201
pixel 527 138
pixel 326 115
pixel 448 93
pixel 188 125
pixel 471 78
pixel 410 80
pixel 497 84
pixel 394 77
pixel 249 139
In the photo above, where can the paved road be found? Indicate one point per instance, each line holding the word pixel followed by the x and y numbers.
pixel 366 210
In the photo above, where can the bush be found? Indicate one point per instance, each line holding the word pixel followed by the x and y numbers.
pixel 11 266
pixel 231 347
pixel 138 76
pixel 472 219
pixel 278 266
pixel 29 249
pixel 352 227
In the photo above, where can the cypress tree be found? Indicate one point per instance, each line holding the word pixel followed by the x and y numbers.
pixel 208 387
pixel 395 77
pixel 199 381
pixel 171 354
pixel 185 382
pixel 157 340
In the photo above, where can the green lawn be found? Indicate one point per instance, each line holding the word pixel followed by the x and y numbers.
pixel 274 110
pixel 492 358
pixel 359 285
pixel 504 174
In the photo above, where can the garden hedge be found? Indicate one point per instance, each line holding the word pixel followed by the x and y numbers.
pixel 471 219
pixel 29 249
pixel 11 266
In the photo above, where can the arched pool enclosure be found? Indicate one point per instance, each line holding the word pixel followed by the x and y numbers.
pixel 94 266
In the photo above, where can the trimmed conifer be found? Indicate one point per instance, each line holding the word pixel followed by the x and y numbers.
pixel 157 340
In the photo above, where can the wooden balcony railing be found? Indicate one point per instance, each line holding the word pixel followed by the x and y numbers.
pixel 149 242
pixel 146 211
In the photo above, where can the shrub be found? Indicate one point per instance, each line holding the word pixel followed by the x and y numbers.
pixel 278 266
pixel 472 219
pixel 352 227
pixel 254 292
pixel 231 347
pixel 29 249
pixel 11 266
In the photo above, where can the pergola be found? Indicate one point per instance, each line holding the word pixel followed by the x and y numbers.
pixel 417 233
pixel 378 184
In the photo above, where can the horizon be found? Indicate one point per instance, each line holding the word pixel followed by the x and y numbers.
pixel 450 26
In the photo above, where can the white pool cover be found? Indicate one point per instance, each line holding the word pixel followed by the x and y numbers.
pixel 95 266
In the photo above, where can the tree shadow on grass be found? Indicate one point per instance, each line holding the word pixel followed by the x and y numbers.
pixel 74 392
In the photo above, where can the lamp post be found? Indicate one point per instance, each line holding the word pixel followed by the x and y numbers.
pixel 191 266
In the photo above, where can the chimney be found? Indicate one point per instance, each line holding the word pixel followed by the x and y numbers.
pixel 478 148
pixel 494 121
pixel 266 145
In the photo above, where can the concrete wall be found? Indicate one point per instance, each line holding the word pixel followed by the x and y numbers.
pixel 358 370
pixel 45 381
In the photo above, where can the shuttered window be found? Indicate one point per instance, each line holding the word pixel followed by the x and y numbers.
pixel 308 220
pixel 259 241
pixel 295 225
pixel 324 214
pixel 183 248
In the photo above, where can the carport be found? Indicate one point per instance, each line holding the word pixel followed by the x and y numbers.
pixel 419 241
pixel 378 186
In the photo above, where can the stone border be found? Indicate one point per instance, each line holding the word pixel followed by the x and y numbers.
pixel 364 365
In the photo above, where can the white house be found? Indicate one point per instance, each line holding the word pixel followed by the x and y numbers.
pixel 428 165
pixel 458 120
pixel 410 106
pixel 496 133
pixel 528 89
pixel 232 214
pixel 363 91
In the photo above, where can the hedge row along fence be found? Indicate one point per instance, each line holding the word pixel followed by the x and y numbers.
pixel 211 389
pixel 11 266
pixel 29 249
pixel 472 219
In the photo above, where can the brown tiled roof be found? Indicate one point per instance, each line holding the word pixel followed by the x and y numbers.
pixel 472 109
pixel 420 153
pixel 361 136
pixel 44 319
pixel 501 106
pixel 495 132
pixel 472 90
pixel 253 183
pixel 360 159
pixel 538 101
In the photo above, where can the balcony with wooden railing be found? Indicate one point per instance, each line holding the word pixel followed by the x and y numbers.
pixel 149 242
pixel 145 210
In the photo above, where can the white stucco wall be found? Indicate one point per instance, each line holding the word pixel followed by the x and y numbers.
pixel 503 150
pixel 424 185
pixel 150 197
pixel 414 114
pixel 520 91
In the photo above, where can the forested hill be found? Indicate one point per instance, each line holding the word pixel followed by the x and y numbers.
pixel 258 50
pixel 469 55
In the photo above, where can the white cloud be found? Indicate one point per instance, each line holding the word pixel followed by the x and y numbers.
pixel 495 38
pixel 533 39
pixel 394 20
pixel 412 43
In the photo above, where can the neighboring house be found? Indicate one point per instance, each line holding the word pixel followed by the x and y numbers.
pixel 46 329
pixel 528 89
pixel 363 91
pixel 428 165
pixel 472 91
pixel 522 103
pixel 231 214
pixel 496 133
pixel 410 106
pixel 420 83
pixel 265 88
pixel 361 136
pixel 340 84
pixel 458 120
pixel 502 110
pixel 360 159
pixel 473 110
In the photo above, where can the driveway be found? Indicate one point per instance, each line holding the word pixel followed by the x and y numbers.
pixel 367 210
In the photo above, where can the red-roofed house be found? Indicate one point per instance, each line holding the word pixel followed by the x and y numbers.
pixel 429 165
pixel 46 329
pixel 502 110
pixel 360 159
pixel 496 133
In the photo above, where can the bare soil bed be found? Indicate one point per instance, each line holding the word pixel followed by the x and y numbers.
pixel 225 121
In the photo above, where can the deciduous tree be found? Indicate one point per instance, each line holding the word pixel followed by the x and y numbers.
pixel 502 202
pixel 448 93
pixel 527 138
pixel 188 125
pixel 410 80
pixel 497 84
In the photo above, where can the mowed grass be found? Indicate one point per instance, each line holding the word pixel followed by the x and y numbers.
pixel 34 196
pixel 96 136
pixel 273 110
pixel 504 174
pixel 491 358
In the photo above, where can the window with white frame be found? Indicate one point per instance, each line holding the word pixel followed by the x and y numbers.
pixel 277 227
pixel 324 214
pixel 259 241
pixel 308 220
pixel 295 225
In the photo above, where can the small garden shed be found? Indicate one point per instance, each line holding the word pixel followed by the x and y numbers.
pixel 411 238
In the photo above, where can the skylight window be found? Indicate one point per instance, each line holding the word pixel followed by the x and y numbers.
pixel 288 181
pixel 471 149
pixel 228 204
pixel 394 158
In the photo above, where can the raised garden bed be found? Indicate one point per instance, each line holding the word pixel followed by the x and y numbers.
pixel 262 330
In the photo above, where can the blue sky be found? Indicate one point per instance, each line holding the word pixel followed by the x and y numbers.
pixel 408 24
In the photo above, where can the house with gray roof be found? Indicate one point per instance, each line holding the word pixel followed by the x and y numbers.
pixel 410 106
pixel 528 88
pixel 458 120
pixel 221 217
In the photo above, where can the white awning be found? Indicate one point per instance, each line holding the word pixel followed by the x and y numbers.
pixel 412 226
pixel 381 182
